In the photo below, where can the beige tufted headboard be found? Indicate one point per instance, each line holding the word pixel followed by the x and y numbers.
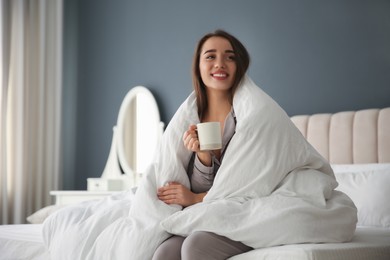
pixel 349 137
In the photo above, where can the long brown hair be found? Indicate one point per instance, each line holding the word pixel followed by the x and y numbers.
pixel 242 60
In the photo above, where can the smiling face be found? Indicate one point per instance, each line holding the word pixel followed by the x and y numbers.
pixel 217 64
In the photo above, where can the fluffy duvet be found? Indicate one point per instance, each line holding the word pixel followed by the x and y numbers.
pixel 273 188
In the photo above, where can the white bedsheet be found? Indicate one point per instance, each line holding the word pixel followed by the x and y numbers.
pixel 25 242
pixel 366 244
pixel 273 188
pixel 19 242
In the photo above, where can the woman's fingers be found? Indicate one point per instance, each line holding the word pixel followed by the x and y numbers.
pixel 168 194
pixel 190 139
pixel 192 127
pixel 175 193
pixel 168 190
pixel 190 144
pixel 191 130
pixel 195 146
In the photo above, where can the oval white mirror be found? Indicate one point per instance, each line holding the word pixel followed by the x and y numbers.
pixel 139 131
pixel 135 137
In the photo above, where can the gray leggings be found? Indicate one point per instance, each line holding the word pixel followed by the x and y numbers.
pixel 199 245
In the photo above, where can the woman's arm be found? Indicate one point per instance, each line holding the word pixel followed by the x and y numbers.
pixel 176 193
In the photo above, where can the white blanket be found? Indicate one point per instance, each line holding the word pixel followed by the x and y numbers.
pixel 272 188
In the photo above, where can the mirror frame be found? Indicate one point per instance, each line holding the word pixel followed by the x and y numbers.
pixel 130 96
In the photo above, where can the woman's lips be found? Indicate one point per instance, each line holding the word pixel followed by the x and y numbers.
pixel 219 75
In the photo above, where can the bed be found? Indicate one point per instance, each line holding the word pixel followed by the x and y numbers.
pixel 356 143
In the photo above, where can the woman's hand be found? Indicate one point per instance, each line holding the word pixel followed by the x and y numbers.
pixel 191 142
pixel 190 139
pixel 176 193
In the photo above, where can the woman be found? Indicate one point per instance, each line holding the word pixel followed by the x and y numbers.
pixel 220 62
pixel 273 187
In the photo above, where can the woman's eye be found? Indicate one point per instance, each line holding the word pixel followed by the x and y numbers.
pixel 231 57
pixel 209 57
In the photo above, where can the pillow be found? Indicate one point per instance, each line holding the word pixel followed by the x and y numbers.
pixel 39 216
pixel 368 185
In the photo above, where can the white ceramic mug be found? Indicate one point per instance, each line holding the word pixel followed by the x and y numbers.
pixel 209 135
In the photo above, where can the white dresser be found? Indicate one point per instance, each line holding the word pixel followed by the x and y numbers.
pixel 67 197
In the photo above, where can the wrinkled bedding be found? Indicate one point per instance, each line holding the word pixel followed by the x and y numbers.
pixel 273 188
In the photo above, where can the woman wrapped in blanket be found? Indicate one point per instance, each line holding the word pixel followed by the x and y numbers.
pixel 220 62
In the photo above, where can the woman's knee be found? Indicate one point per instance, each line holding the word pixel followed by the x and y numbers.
pixel 207 245
pixel 196 245
pixel 169 249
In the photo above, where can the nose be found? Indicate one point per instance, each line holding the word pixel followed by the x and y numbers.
pixel 219 63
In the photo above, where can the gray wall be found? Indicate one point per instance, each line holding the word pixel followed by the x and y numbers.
pixel 311 56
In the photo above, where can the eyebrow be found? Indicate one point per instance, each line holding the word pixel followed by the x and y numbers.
pixel 214 50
